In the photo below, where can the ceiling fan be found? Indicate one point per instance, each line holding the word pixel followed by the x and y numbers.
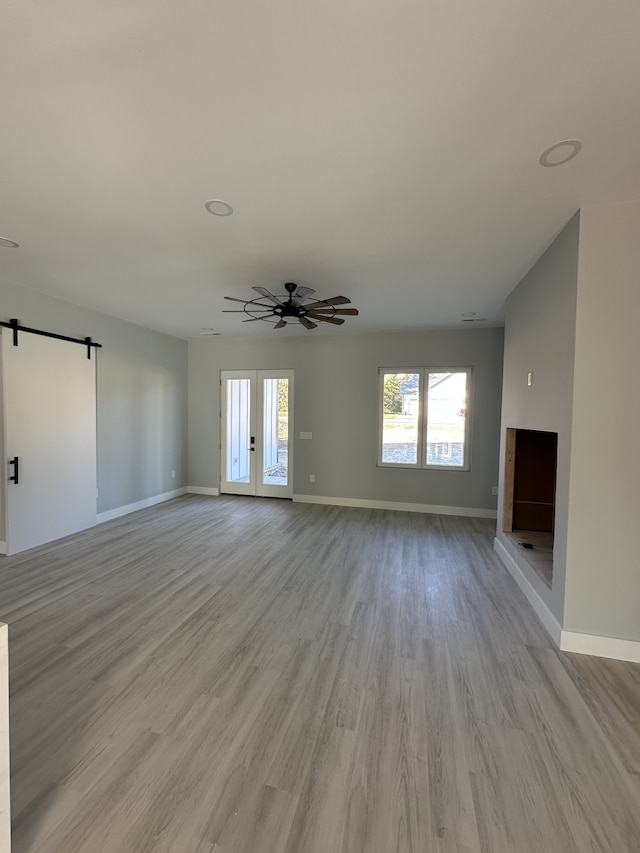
pixel 298 305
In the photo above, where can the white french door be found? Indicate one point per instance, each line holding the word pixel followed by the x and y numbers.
pixel 256 408
pixel 50 440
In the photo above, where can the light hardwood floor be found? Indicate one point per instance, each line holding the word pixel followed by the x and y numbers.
pixel 253 676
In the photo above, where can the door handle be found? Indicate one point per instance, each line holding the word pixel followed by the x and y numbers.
pixel 253 441
pixel 16 470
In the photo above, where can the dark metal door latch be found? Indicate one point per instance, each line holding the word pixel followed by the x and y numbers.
pixel 16 470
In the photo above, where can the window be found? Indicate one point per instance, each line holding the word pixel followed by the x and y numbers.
pixel 424 418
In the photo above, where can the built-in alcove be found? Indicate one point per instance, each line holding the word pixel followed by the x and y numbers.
pixel 530 496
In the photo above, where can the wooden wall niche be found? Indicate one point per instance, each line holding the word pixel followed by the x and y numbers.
pixel 530 480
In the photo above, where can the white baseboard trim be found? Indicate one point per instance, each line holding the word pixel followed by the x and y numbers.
pixel 568 641
pixel 540 608
pixel 434 509
pixel 202 490
pixel 3 548
pixel 125 510
pixel 602 647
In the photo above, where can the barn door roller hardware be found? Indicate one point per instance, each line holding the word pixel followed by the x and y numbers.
pixel 15 326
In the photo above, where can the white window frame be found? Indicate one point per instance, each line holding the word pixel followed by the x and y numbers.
pixel 421 463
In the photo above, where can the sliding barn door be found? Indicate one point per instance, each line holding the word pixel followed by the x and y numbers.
pixel 50 437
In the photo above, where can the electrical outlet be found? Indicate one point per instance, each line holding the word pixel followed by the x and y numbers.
pixel 173 474
pixel 306 435
pixel 494 490
pixel 312 478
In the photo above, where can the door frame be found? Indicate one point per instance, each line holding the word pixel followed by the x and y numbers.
pixel 255 488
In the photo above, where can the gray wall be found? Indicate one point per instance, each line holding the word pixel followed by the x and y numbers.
pixel 336 398
pixel 540 338
pixel 603 562
pixel 141 395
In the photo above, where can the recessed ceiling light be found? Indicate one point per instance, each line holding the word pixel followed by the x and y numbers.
pixel 561 152
pixel 468 314
pixel 8 244
pixel 219 207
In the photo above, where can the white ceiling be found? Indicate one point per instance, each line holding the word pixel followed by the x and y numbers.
pixel 386 150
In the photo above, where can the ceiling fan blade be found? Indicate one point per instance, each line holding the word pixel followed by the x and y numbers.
pixel 265 310
pixel 331 312
pixel 336 300
pixel 301 293
pixel 247 301
pixel 280 324
pixel 264 292
pixel 253 319
pixel 337 321
pixel 308 324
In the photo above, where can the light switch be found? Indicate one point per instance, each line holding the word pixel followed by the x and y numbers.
pixel 305 435
pixel 529 378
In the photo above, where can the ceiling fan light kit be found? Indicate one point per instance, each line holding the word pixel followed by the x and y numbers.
pixel 298 305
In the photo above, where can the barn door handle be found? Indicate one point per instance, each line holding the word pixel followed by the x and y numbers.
pixel 16 470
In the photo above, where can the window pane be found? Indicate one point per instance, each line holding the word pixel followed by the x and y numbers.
pixel 400 414
pixel 238 413
pixel 446 417
pixel 276 432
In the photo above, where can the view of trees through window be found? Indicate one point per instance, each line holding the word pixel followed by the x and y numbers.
pixel 400 418
pixel 276 452
pixel 438 425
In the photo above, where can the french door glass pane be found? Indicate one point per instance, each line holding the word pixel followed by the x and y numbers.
pixel 238 437
pixel 276 432
pixel 446 417
pixel 401 411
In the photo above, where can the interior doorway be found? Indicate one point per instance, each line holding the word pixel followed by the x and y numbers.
pixel 256 409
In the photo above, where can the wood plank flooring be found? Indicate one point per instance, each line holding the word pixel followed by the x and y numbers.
pixel 253 676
